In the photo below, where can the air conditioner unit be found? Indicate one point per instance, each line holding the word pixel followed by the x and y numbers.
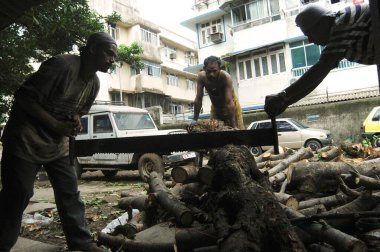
pixel 172 55
pixel 216 37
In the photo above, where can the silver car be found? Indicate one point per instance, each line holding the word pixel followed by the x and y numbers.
pixel 293 134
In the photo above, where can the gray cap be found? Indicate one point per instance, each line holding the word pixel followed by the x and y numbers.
pixel 311 15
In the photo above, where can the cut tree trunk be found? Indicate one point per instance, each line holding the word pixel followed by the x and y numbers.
pixel 205 174
pixel 188 191
pixel 328 202
pixel 185 173
pixel 137 202
pixel 313 176
pixel 246 214
pixel 316 209
pixel 331 154
pixel 168 202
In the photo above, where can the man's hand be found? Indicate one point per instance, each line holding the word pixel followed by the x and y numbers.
pixel 275 104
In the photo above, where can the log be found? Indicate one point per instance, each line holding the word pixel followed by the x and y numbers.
pixel 185 173
pixel 368 182
pixel 366 201
pixel 188 191
pixel 287 200
pixel 339 240
pixel 246 215
pixel 314 173
pixel 205 174
pixel 316 209
pixel 331 154
pixel 299 155
pixel 349 150
pixel 328 202
pixel 268 164
pixel 323 232
pixel 167 201
pixel 137 202
pixel 188 239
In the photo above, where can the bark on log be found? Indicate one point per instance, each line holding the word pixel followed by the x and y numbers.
pixel 314 174
pixel 188 239
pixel 368 182
pixel 352 152
pixel 366 201
pixel 170 203
pixel 246 214
pixel 185 173
pixel 328 202
pixel 268 164
pixel 331 154
pixel 188 191
pixel 341 241
pixel 137 202
pixel 316 209
pixel 205 174
pixel 287 200
pixel 299 155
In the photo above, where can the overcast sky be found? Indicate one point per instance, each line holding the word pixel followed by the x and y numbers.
pixel 167 13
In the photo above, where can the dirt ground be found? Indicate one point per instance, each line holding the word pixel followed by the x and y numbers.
pixel 101 205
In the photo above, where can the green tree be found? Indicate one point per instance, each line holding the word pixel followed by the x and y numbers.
pixel 131 55
pixel 48 29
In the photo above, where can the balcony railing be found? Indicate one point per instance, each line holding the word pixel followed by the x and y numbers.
pixel 343 64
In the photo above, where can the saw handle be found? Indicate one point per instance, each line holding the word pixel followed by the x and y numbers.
pixel 274 129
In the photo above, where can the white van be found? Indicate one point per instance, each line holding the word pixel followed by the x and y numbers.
pixel 115 121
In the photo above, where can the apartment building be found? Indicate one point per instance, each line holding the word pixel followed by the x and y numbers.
pixel 163 82
pixel 266 51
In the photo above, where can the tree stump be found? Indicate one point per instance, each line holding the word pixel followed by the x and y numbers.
pixel 246 213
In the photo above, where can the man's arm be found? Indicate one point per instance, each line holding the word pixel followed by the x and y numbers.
pixel 199 97
pixel 230 100
pixel 33 109
pixel 277 103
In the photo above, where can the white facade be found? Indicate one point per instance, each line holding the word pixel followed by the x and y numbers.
pixel 264 48
pixel 163 82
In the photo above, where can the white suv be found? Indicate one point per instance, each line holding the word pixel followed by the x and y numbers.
pixel 293 134
pixel 116 121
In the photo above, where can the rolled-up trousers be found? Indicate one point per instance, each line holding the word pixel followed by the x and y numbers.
pixel 17 179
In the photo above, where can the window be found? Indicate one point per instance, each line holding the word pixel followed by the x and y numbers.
pixel 151 69
pixel 148 36
pixel 214 26
pixel 113 31
pixel 245 70
pixel 190 59
pixel 170 52
pixel 84 122
pixel 256 10
pixel 304 55
pixel 102 124
pixel 190 84
pixel 115 97
pixel 133 121
pixel 277 62
pixel 176 109
pixel 172 80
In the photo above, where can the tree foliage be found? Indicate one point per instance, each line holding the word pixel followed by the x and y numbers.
pixel 48 29
pixel 131 55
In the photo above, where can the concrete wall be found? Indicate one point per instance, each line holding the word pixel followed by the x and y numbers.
pixel 343 119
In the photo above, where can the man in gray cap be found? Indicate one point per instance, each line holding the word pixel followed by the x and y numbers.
pixel 345 34
pixel 45 114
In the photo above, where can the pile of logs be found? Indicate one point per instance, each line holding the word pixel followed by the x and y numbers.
pixel 298 200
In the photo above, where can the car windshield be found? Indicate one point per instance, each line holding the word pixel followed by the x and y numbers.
pixel 298 124
pixel 133 121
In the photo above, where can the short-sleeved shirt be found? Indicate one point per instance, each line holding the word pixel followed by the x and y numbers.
pixel 58 87
pixel 351 35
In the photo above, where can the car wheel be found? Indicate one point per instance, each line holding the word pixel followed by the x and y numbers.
pixel 109 173
pixel 148 163
pixel 78 168
pixel 375 141
pixel 313 144
pixel 256 151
